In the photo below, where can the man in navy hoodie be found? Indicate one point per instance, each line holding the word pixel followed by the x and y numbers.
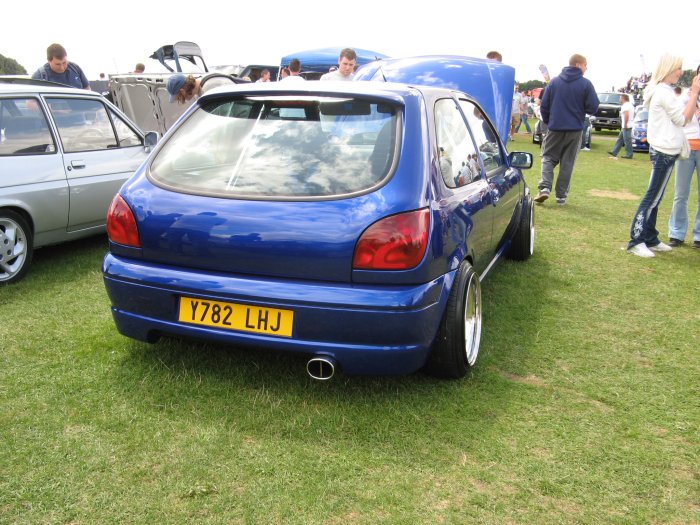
pixel 565 103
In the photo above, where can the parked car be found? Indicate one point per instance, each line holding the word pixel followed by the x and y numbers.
pixel 146 101
pixel 351 222
pixel 64 153
pixel 639 130
pixel 608 115
pixel 144 97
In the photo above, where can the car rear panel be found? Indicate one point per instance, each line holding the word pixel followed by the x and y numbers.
pixel 298 240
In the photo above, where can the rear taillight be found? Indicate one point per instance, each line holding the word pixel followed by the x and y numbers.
pixel 121 224
pixel 394 243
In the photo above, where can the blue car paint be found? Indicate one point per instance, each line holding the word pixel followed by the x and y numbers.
pixel 371 322
pixel 639 131
pixel 488 81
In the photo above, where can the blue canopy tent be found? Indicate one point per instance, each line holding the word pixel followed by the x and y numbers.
pixel 315 62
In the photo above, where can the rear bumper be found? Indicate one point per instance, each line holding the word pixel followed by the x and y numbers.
pixel 368 330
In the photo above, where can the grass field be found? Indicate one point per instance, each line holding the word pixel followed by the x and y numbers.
pixel 584 407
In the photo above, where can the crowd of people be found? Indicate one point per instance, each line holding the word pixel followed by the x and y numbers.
pixel 673 134
pixel 635 87
pixel 673 131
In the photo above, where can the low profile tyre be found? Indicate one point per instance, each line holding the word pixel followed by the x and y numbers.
pixel 15 247
pixel 456 346
pixel 523 244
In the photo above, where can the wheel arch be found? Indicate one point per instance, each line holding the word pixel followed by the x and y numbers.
pixel 20 211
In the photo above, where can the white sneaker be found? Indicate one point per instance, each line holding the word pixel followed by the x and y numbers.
pixel 585 149
pixel 641 250
pixel 661 247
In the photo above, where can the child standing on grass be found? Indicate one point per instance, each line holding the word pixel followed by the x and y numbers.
pixel 666 141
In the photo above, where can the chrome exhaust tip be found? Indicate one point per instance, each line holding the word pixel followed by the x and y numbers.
pixel 321 368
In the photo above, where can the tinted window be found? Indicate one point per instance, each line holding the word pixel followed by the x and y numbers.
pixel 485 137
pixel 459 160
pixel 23 128
pixel 280 146
pixel 83 125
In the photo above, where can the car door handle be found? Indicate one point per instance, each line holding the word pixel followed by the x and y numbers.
pixel 77 164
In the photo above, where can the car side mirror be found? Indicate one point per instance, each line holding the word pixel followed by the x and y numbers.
pixel 521 159
pixel 150 140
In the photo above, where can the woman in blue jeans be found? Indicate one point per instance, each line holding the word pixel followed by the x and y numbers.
pixel 678 222
pixel 667 116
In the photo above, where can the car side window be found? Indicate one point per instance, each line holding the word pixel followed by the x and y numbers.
pixel 83 125
pixel 459 160
pixel 127 136
pixel 23 128
pixel 485 136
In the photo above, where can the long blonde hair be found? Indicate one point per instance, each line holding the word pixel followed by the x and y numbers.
pixel 667 65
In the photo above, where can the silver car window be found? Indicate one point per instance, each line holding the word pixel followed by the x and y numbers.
pixel 83 125
pixel 23 128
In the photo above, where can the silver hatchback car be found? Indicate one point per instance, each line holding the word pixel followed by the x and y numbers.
pixel 64 153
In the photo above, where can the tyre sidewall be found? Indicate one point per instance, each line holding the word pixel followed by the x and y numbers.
pixel 21 223
pixel 448 357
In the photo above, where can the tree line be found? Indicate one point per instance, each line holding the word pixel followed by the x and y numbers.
pixel 9 66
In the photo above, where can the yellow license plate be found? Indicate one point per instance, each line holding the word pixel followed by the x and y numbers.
pixel 232 316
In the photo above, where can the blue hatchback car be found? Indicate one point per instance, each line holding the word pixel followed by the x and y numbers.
pixel 351 222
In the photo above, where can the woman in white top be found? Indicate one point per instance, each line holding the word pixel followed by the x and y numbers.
pixel 665 135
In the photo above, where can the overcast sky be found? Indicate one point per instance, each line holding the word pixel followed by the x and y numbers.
pixel 111 37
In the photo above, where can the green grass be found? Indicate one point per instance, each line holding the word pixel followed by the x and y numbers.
pixel 583 407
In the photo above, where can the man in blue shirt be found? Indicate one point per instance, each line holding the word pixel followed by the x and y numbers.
pixel 58 69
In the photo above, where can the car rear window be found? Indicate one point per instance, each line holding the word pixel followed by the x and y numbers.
pixel 295 147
